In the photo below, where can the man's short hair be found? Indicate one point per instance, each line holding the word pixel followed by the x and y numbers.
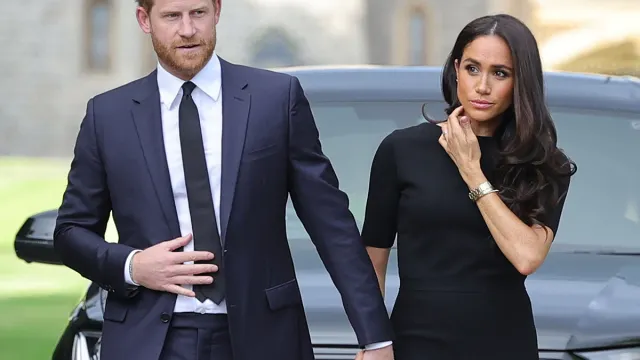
pixel 145 4
pixel 148 4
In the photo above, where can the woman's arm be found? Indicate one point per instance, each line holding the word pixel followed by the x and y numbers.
pixel 381 213
pixel 525 246
pixel 380 259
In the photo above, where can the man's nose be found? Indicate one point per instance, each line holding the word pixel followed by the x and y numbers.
pixel 187 29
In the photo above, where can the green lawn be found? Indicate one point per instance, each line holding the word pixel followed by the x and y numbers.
pixel 35 299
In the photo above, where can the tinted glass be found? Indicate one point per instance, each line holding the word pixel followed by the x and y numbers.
pixel 350 134
pixel 603 208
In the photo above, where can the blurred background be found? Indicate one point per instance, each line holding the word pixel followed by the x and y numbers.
pixel 59 53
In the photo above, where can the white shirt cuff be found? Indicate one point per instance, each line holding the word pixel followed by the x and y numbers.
pixel 127 274
pixel 379 345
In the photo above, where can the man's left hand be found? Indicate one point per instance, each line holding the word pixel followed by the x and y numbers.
pixel 385 353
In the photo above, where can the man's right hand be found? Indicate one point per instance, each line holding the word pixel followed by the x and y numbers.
pixel 160 268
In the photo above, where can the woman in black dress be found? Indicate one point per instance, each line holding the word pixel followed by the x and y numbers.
pixel 474 201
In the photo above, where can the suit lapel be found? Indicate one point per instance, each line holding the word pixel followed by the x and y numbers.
pixel 236 102
pixel 147 119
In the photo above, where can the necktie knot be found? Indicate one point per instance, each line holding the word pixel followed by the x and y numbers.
pixel 187 88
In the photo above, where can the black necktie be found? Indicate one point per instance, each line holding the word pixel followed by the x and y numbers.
pixel 203 217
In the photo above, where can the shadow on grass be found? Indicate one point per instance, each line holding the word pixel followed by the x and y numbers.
pixel 31 325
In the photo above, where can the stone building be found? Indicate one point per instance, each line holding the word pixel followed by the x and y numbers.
pixel 594 36
pixel 599 36
pixel 422 32
pixel 59 53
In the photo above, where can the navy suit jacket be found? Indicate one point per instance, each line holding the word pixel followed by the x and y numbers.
pixel 270 149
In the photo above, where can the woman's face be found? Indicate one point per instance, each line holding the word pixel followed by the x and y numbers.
pixel 485 79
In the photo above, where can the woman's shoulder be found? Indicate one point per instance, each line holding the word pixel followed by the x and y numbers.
pixel 422 133
pixel 404 147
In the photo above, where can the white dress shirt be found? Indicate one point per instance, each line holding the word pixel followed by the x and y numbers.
pixel 208 98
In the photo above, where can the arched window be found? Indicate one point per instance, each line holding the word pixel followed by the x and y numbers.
pixel 274 48
pixel 98 31
pixel 417 38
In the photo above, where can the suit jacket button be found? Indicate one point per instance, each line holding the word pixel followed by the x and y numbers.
pixel 165 317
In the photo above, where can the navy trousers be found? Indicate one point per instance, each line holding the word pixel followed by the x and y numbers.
pixel 195 336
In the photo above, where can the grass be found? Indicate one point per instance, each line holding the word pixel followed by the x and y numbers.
pixel 35 299
pixel 32 325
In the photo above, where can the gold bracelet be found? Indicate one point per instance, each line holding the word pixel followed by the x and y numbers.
pixel 482 190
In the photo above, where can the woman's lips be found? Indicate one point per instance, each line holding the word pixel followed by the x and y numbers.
pixel 481 104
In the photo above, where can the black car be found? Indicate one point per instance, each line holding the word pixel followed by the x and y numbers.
pixel 586 296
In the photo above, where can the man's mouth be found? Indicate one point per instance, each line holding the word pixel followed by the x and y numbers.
pixel 191 46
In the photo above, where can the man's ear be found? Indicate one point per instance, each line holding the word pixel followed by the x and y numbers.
pixel 217 6
pixel 143 19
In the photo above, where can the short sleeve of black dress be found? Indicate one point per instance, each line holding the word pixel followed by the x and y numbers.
pixel 552 220
pixel 381 213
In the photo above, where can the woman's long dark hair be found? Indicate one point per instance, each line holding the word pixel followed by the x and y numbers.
pixel 530 169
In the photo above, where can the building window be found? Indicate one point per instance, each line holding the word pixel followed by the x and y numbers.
pixel 98 46
pixel 417 38
pixel 274 48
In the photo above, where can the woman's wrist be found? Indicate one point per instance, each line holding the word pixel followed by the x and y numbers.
pixel 473 176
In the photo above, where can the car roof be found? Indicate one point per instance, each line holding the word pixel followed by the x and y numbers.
pixel 422 83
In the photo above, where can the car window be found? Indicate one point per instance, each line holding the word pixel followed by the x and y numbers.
pixel 350 133
pixel 603 207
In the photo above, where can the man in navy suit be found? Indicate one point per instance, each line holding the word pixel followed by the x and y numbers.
pixel 195 162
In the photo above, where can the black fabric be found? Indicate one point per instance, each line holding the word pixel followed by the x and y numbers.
pixel 459 297
pixel 203 219
pixel 194 336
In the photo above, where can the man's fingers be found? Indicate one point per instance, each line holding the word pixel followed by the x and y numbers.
pixel 193 269
pixel 191 280
pixel 178 242
pixel 177 289
pixel 182 257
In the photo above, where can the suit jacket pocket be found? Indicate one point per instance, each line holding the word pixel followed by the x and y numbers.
pixel 115 311
pixel 261 152
pixel 284 295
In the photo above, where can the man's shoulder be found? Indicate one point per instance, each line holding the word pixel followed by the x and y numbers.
pixel 262 73
pixel 268 77
pixel 125 92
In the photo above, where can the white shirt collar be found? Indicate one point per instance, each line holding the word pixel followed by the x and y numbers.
pixel 209 80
